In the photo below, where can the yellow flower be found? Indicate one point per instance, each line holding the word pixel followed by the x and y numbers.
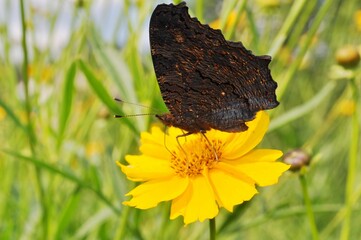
pixel 231 18
pixel 346 107
pixel 200 175
pixel 2 114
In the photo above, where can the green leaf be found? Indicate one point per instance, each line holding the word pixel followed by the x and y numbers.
pixel 67 100
pixel 68 212
pixel 52 169
pixel 12 115
pixel 116 68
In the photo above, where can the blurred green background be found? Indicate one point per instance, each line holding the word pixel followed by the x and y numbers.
pixel 60 142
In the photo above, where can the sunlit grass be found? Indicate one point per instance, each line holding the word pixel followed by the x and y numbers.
pixel 60 142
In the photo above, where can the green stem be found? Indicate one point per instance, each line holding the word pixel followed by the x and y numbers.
pixel 30 127
pixel 239 8
pixel 253 28
pixel 25 70
pixel 352 164
pixel 122 229
pixel 301 24
pixel 309 210
pixel 286 27
pixel 199 10
pixel 340 216
pixel 212 228
pixel 227 8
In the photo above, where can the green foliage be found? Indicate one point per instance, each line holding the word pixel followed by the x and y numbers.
pixel 60 143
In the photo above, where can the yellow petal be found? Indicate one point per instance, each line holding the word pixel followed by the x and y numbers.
pixel 147 170
pixel 216 134
pixel 149 194
pixel 153 137
pixel 179 204
pixel 153 143
pixel 257 155
pixel 173 131
pixel 230 190
pixel 260 166
pixel 136 160
pixel 243 142
pixel 159 143
pixel 197 203
pixel 264 173
pixel 173 138
pixel 232 170
pixel 155 151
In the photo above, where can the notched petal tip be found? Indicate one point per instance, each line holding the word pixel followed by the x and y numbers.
pixel 197 203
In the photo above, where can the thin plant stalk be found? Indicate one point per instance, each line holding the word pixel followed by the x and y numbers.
pixel 309 210
pixel 121 230
pixel 304 48
pixel 30 127
pixel 239 9
pixel 352 165
pixel 282 35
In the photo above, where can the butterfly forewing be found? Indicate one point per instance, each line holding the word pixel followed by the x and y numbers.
pixel 206 81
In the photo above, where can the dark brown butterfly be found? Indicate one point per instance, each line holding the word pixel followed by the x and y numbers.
pixel 206 81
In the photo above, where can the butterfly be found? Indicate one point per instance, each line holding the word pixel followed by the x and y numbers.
pixel 206 81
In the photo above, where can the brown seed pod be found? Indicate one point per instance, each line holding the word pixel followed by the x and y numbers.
pixel 348 56
pixel 297 158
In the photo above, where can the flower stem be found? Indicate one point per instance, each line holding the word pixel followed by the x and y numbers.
pixel 352 164
pixel 212 229
pixel 309 210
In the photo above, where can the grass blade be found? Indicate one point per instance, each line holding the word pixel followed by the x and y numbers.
pixel 67 100
pixel 103 95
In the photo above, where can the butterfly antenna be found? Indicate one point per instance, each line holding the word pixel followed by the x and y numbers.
pixel 135 115
pixel 184 135
pixel 136 104
pixel 165 142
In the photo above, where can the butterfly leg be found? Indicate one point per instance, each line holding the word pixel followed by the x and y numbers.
pixel 165 142
pixel 182 149
pixel 210 145
pixel 180 146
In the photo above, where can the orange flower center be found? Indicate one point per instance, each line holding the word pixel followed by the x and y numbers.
pixel 195 156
